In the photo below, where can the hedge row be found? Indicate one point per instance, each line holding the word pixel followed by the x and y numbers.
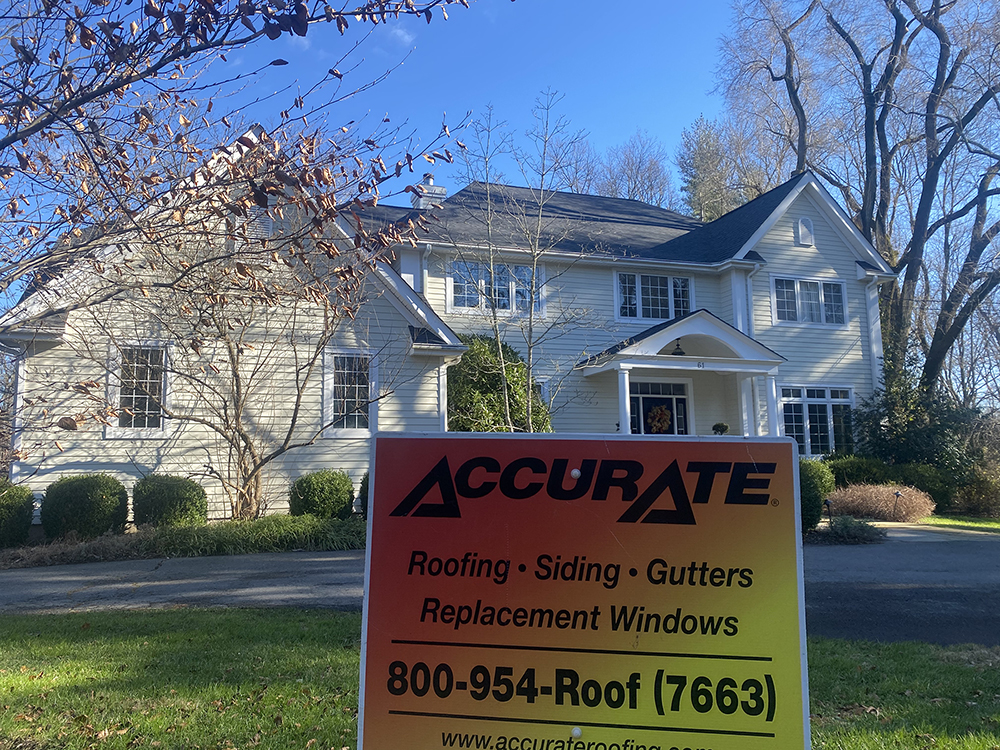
pixel 90 505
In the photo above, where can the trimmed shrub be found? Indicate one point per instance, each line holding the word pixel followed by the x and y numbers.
pixel 363 496
pixel 89 504
pixel 848 470
pixel 850 530
pixel 163 500
pixel 268 534
pixel 815 483
pixel 324 494
pixel 880 502
pixel 17 506
pixel 858 470
pixel 980 496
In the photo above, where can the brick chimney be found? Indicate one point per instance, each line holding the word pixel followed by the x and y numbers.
pixel 428 193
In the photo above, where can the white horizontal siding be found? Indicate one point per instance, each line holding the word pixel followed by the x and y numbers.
pixel 829 355
pixel 408 391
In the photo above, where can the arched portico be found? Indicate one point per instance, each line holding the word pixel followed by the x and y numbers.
pixel 661 371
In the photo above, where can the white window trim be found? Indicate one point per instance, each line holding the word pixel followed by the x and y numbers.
pixel 484 308
pixel 327 399
pixel 805 323
pixel 804 400
pixel 637 273
pixel 113 431
pixel 688 384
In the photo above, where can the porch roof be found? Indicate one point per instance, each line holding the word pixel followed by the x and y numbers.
pixel 710 343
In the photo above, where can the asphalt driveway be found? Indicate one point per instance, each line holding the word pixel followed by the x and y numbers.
pixel 924 583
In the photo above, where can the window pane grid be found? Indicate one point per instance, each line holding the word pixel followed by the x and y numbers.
pixel 682 297
pixel 833 303
pixel 629 301
pixel 811 310
pixel 465 284
pixel 843 428
pixel 819 430
pixel 660 297
pixel 522 289
pixel 809 301
pixel 784 297
pixel 655 296
pixel 351 393
pixel 141 390
pixel 795 426
pixel 501 287
pixel 826 422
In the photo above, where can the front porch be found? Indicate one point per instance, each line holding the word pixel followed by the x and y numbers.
pixel 685 375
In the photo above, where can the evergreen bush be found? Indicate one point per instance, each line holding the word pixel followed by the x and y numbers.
pixel 815 483
pixel 476 391
pixel 89 504
pixel 324 494
pixel 927 478
pixel 858 470
pixel 980 495
pixel 850 530
pixel 17 507
pixel 164 500
pixel 363 496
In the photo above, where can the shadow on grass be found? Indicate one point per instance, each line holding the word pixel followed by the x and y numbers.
pixel 181 678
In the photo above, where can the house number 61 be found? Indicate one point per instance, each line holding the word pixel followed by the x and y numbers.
pixel 701 365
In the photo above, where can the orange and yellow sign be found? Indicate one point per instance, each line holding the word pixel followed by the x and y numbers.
pixel 555 593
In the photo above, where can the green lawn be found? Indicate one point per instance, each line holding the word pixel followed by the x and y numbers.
pixel 965 522
pixel 288 679
pixel 180 679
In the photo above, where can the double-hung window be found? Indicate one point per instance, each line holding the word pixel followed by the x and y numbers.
pixel 504 287
pixel 805 301
pixel 348 403
pixel 819 419
pixel 643 295
pixel 139 391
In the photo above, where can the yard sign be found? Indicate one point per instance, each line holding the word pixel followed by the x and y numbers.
pixel 553 593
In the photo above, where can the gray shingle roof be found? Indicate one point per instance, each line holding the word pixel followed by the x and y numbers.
pixel 590 224
pixel 570 222
pixel 724 237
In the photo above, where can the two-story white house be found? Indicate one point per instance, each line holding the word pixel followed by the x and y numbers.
pixel 646 321
pixel 639 321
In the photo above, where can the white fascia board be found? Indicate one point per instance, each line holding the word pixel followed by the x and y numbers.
pixel 768 223
pixel 861 248
pixel 412 307
pixel 685 364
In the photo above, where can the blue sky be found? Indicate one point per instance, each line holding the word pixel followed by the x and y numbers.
pixel 618 70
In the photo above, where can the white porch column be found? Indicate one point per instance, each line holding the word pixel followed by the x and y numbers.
pixel 624 413
pixel 772 405
pixel 747 411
